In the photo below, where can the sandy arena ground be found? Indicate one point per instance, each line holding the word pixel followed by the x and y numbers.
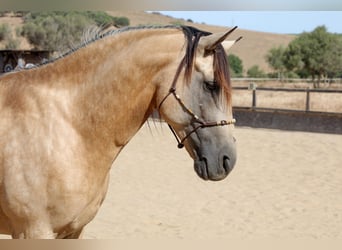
pixel 285 185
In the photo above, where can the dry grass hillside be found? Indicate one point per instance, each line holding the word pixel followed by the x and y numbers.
pixel 251 49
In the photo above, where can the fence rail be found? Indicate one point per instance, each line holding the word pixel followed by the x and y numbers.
pixel 294 80
pixel 254 90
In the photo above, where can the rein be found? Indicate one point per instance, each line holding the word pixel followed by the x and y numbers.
pixel 195 118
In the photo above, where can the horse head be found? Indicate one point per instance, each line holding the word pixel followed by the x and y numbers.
pixel 198 106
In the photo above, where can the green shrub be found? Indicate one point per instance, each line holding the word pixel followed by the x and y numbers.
pixel 254 71
pixel 235 64
pixel 59 30
pixel 102 18
pixel 291 74
pixel 121 21
pixel 56 31
pixel 12 44
pixel 5 32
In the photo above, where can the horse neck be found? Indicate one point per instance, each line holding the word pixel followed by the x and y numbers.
pixel 115 82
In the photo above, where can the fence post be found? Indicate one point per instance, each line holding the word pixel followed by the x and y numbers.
pixel 307 105
pixel 254 99
pixel 253 86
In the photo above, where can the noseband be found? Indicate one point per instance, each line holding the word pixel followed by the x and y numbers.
pixel 194 118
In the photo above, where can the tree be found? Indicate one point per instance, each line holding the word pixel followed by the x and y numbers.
pixel 315 53
pixel 235 65
pixel 333 59
pixel 275 58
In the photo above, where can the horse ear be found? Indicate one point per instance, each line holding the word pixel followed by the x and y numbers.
pixel 228 44
pixel 209 43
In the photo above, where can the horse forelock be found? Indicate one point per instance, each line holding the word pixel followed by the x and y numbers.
pixel 221 66
pixel 192 37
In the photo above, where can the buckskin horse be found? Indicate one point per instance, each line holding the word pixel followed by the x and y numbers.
pixel 63 123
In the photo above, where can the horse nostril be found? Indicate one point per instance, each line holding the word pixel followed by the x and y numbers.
pixel 227 164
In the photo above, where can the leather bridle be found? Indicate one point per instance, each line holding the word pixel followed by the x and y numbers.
pixel 194 118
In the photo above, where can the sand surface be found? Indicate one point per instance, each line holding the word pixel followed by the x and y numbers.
pixel 285 185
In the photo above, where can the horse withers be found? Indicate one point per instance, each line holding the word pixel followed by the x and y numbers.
pixel 62 124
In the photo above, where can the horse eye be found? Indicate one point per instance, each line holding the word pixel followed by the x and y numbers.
pixel 211 86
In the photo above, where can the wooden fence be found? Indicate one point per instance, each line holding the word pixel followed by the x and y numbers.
pixel 254 90
pixel 285 80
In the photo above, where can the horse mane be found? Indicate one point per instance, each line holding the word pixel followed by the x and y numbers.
pixel 192 37
pixel 95 33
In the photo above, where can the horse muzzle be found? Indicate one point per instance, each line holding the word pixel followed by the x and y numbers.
pixel 215 167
